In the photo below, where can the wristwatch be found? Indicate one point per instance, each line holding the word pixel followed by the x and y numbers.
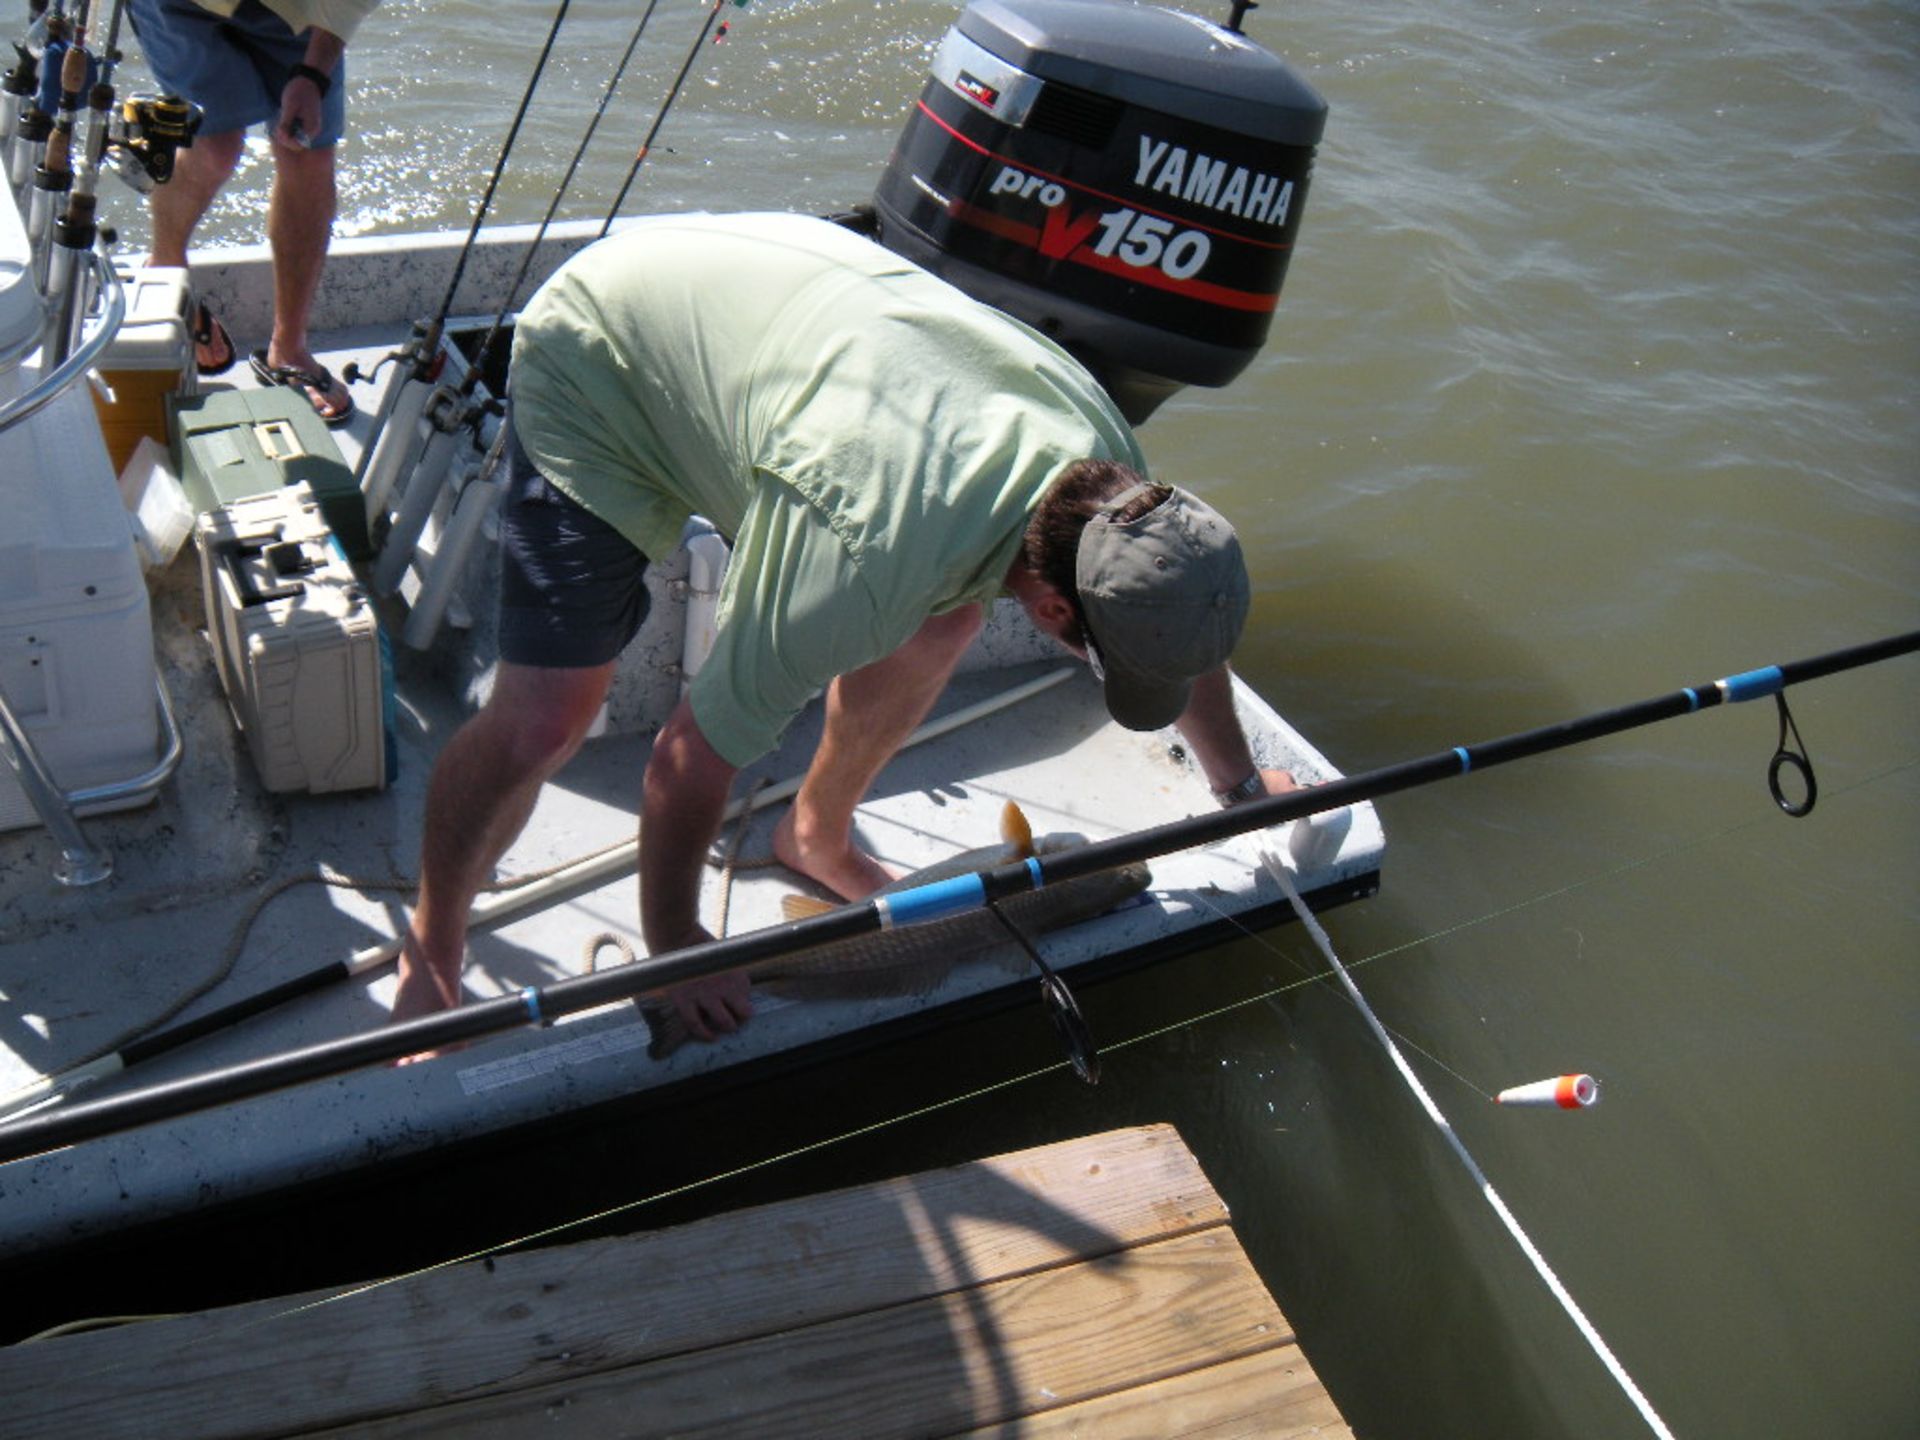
pixel 1247 789
pixel 322 81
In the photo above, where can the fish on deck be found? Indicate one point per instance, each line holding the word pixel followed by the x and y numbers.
pixel 913 959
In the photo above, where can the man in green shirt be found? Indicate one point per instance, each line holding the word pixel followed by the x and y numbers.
pixel 886 456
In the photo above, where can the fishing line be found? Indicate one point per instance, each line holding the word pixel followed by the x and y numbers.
pixel 1277 867
pixel 499 166
pixel 979 1092
pixel 221 1334
pixel 1598 877
pixel 553 206
pixel 660 116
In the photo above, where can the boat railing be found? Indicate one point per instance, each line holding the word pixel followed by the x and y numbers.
pixel 74 368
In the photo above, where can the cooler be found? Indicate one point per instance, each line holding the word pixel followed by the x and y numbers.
pixel 150 362
pixel 76 636
pixel 296 643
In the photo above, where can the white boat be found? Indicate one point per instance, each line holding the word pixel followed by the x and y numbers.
pixel 211 895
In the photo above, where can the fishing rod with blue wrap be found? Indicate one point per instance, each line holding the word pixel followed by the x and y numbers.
pixel 540 1005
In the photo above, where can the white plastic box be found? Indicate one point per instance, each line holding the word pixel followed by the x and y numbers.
pixel 150 360
pixel 76 635
pixel 296 642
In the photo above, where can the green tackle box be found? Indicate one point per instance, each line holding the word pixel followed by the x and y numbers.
pixel 232 444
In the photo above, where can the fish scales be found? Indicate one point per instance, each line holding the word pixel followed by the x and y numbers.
pixel 911 960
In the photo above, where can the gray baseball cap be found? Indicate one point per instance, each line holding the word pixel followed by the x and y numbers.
pixel 1164 597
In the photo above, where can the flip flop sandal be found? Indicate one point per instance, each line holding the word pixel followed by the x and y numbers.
pixel 318 384
pixel 208 332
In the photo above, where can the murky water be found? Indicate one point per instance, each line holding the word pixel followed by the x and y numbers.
pixel 1594 377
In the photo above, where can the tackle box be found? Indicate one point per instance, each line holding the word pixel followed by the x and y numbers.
pixel 76 634
pixel 233 444
pixel 297 644
pixel 149 363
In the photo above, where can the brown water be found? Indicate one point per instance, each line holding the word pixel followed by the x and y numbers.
pixel 1594 377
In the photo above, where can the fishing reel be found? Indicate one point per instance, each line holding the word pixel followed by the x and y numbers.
pixel 147 133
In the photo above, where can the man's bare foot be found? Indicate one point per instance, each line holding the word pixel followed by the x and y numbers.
pixel 845 869
pixel 424 989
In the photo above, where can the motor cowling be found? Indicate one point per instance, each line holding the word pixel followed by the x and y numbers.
pixel 1126 179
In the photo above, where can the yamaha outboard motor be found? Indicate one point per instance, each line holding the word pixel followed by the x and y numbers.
pixel 1126 179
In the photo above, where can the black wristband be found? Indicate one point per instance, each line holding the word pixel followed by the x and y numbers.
pixel 322 81
pixel 1255 784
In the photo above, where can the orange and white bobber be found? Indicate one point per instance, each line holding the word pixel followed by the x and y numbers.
pixel 1568 1092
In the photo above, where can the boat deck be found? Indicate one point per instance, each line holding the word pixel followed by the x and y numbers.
pixel 1090 1287
pixel 222 891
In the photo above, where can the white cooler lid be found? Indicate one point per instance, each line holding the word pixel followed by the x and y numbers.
pixel 20 315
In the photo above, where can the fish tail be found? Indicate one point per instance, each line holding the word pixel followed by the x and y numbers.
pixel 1016 830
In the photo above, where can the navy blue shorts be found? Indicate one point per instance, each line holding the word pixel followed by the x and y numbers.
pixel 572 588
pixel 234 68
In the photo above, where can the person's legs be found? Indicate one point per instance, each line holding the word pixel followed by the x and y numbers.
pixel 870 714
pixel 176 207
pixel 572 595
pixel 191 52
pixel 483 789
pixel 299 226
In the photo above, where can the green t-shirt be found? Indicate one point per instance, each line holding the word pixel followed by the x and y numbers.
pixel 870 439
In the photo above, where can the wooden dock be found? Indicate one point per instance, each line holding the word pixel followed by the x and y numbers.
pixel 1087 1288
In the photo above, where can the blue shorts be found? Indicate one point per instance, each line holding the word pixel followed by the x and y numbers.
pixel 572 588
pixel 233 69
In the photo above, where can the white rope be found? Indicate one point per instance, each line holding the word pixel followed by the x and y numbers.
pixel 1280 872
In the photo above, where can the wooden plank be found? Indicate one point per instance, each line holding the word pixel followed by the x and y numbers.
pixel 521 1320
pixel 1270 1396
pixel 991 1355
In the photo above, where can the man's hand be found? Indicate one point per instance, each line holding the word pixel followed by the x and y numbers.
pixel 301 97
pixel 715 1006
pixel 299 113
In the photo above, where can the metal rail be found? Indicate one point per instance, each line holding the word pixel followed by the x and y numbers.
pixel 76 365
pixel 82 862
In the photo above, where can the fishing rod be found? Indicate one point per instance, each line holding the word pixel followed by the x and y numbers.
pixel 541 1005
pixel 566 181
pixel 383 457
pixel 17 88
pixel 1263 813
pixel 100 98
pixel 27 124
pixel 438 414
pixel 76 231
pixel 500 164
pixel 450 409
pixel 63 66
pixel 660 116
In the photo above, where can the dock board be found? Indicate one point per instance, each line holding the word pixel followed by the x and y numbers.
pixel 1088 1288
